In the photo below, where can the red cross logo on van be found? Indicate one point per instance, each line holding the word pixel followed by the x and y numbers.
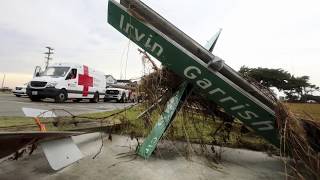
pixel 85 80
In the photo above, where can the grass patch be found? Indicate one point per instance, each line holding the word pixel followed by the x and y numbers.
pixel 194 128
pixel 17 123
pixel 305 110
pixel 7 121
pixel 24 124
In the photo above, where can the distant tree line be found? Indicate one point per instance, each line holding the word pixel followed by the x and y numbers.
pixel 295 88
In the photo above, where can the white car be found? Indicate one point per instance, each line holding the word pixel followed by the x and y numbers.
pixel 118 94
pixel 20 90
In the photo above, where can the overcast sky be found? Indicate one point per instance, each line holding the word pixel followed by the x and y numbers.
pixel 275 34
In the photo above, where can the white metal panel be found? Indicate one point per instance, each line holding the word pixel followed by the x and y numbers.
pixel 30 112
pixel 61 153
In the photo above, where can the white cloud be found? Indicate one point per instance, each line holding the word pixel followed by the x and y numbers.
pixel 276 34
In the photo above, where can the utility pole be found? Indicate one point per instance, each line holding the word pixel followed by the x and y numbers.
pixel 4 77
pixel 50 51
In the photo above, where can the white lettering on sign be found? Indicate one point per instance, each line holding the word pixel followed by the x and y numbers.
pixel 191 75
pixel 239 107
pixel 229 98
pixel 128 27
pixel 149 44
pixel 159 123
pixel 194 73
pixel 267 125
pixel 151 145
pixel 217 90
pixel 121 21
pixel 248 115
pixel 204 83
pixel 155 46
pixel 137 36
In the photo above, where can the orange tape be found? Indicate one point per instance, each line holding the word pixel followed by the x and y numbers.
pixel 41 126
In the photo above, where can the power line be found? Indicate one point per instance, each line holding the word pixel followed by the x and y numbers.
pixel 4 77
pixel 50 51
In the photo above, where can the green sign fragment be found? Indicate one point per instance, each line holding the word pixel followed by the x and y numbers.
pixel 172 106
pixel 234 100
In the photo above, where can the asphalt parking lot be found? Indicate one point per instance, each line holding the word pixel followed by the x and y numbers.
pixel 11 105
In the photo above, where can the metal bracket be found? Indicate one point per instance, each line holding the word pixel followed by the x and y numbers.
pixel 216 64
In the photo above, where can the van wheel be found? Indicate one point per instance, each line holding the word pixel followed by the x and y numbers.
pixel 95 98
pixel 61 97
pixel 35 99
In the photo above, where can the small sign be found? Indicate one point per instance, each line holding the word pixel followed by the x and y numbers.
pixel 31 112
pixel 61 152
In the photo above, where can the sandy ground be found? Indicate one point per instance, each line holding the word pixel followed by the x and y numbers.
pixel 117 161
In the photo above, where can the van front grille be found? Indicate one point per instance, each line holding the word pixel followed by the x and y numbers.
pixel 38 84
pixel 113 92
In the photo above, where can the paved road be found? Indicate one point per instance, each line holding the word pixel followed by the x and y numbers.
pixel 12 106
pixel 117 162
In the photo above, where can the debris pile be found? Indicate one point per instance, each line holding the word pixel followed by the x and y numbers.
pixel 204 121
pixel 299 137
pixel 300 141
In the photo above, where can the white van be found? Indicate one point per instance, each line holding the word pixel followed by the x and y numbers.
pixel 62 81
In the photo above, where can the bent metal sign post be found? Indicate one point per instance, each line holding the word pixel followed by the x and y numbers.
pixel 234 100
pixel 172 107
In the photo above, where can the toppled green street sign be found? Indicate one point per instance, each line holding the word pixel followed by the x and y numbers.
pixel 234 100
pixel 172 106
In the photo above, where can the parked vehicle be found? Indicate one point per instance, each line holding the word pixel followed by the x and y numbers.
pixel 312 101
pixel 20 90
pixel 62 81
pixel 118 94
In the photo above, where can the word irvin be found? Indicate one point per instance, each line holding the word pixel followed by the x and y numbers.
pixel 137 36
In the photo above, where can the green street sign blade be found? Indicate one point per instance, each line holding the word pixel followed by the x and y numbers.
pixel 213 85
pixel 172 107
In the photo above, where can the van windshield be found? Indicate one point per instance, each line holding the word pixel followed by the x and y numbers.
pixel 55 71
